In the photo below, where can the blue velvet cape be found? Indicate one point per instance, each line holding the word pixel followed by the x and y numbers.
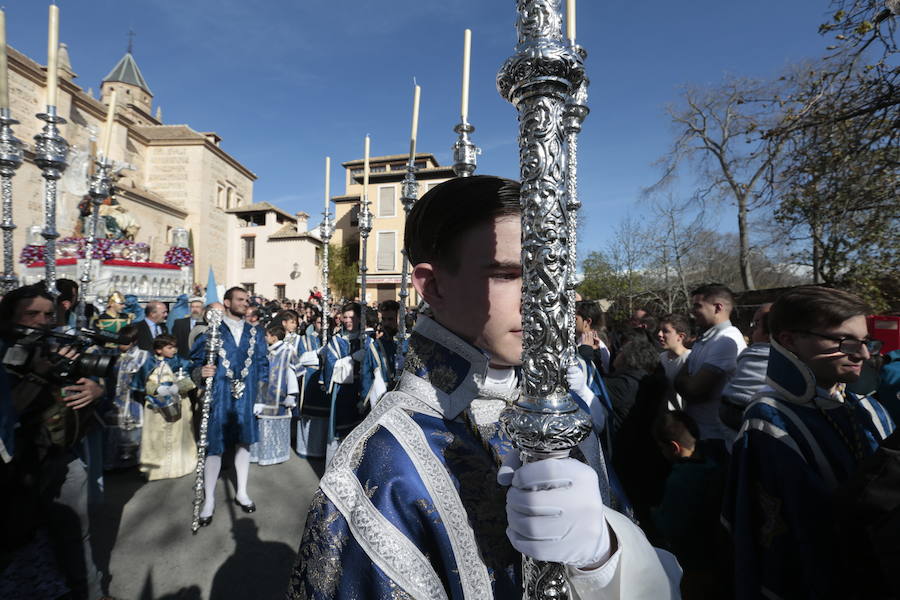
pixel 346 411
pixel 231 420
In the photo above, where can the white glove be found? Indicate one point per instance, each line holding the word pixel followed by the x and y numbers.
pixel 258 408
pixel 290 401
pixel 343 370
pixel 309 359
pixel 555 513
pixel 359 355
pixel 377 390
pixel 577 380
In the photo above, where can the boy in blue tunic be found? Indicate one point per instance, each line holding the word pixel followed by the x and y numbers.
pixel 242 368
pixel 424 499
pixel 802 436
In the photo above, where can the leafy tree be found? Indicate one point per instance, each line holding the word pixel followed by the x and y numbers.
pixel 343 271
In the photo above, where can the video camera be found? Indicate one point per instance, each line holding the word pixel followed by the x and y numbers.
pixel 29 344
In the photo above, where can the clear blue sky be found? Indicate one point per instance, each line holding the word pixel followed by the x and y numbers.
pixel 287 82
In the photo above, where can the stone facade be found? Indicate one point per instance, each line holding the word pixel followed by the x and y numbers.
pixel 176 177
pixel 273 253
pixel 383 252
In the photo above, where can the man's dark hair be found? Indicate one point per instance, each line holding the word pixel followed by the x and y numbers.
pixel 163 340
pixel 447 211
pixel 810 307
pixel 276 330
pixel 648 322
pixel 589 309
pixel 153 306
pixel 68 290
pixel 230 292
pixel 389 305
pixel 715 291
pixel 354 306
pixel 679 323
pixel 9 306
pixel 640 353
pixel 129 333
pixel 676 426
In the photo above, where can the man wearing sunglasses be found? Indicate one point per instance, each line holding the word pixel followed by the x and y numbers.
pixel 802 437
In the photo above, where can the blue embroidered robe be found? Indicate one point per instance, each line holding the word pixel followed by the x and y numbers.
pixel 313 401
pixel 786 463
pixel 231 420
pixel 346 410
pixel 139 381
pixel 410 506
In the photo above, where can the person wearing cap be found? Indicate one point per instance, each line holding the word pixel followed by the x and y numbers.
pixel 114 318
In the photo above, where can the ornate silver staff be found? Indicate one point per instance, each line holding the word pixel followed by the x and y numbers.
pixel 99 190
pixel 365 227
pixel 408 198
pixel 545 422
pixel 51 151
pixel 465 153
pixel 10 160
pixel 325 232
pixel 213 343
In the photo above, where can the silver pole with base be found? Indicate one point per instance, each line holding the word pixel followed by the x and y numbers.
pixel 100 189
pixel 213 343
pixel 10 161
pixel 544 422
pixel 51 151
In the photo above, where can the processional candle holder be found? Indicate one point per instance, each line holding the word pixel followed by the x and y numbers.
pixel 99 190
pixel 545 422
pixel 465 152
pixel 408 198
pixel 326 230
pixel 51 152
pixel 213 343
pixel 10 160
pixel 365 228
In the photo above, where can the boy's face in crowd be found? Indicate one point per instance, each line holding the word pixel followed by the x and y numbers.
pixel 290 325
pixel 167 351
pixel 349 320
pixel 668 338
pixel 822 356
pixel 481 302
pixel 270 339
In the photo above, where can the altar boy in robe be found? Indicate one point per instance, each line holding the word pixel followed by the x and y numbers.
pixel 241 369
pixel 415 502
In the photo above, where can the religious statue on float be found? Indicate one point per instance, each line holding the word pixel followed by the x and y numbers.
pixel 115 223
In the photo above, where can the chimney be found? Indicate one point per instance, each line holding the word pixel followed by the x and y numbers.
pixel 302 222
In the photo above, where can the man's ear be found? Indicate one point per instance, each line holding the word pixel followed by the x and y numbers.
pixel 425 280
pixel 675 447
pixel 785 339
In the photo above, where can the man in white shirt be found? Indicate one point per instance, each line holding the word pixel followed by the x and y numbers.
pixel 713 359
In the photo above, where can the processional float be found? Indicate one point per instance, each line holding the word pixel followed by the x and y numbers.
pixel 545 81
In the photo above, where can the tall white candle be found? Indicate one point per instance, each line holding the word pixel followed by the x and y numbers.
pixel 52 54
pixel 570 21
pixel 415 123
pixel 4 64
pixel 366 169
pixel 327 183
pixel 107 130
pixel 467 55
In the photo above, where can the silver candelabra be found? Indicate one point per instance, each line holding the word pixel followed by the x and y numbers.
pixel 326 230
pixel 465 152
pixel 365 227
pixel 99 190
pixel 51 151
pixel 10 160
pixel 409 197
pixel 539 80
pixel 213 343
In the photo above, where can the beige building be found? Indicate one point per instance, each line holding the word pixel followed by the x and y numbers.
pixel 273 253
pixel 175 176
pixel 384 258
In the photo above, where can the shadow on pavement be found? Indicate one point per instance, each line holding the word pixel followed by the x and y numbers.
pixel 257 569
pixel 106 516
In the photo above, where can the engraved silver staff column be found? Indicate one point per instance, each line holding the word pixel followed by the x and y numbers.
pixel 10 160
pixel 51 152
pixel 465 152
pixel 365 227
pixel 409 197
pixel 326 230
pixel 213 343
pixel 99 190
pixel 545 422
pixel 574 115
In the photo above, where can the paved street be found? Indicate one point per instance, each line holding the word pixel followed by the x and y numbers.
pixel 142 536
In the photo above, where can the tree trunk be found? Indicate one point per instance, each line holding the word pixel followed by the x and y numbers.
pixel 743 234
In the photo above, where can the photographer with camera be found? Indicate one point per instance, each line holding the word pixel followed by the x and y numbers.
pixel 53 398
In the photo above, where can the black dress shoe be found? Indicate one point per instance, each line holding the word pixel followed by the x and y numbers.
pixel 247 508
pixel 204 521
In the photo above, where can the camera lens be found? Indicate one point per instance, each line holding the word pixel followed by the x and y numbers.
pixel 95 365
